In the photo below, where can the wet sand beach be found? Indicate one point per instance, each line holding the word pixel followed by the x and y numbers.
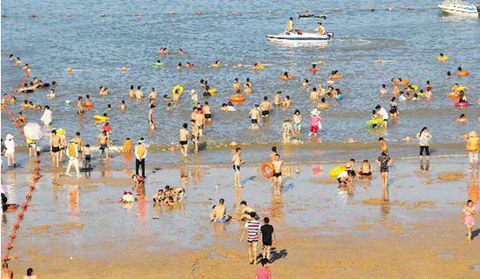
pixel 76 228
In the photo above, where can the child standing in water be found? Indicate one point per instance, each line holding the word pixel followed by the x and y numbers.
pixel 468 219
pixel 314 122
pixel 297 122
pixel 287 130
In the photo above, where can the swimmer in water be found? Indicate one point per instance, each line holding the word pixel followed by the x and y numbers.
pixel 236 85
pixel 265 107
pixel 287 102
pixel 180 51
pixel 138 93
pixel 189 65
pixel 207 111
pixel 314 95
pixel 179 67
pixel 248 88
pixel 131 92
pixel 277 100
pixel 237 162
pixel 306 84
pixel 80 108
pixel 383 90
pixel 153 94
pixel 394 108
pixel 123 106
pixel 462 118
pixel 254 114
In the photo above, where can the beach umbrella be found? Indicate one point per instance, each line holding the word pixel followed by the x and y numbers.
pixel 33 131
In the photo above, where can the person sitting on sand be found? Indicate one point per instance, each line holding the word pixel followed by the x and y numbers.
pixel 462 118
pixel 365 169
pixel 219 213
pixel 176 193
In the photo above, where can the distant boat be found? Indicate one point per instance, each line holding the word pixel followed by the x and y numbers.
pixel 458 7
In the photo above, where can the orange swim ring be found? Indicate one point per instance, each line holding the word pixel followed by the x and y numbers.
pixel 336 76
pixel 404 82
pixel 463 73
pixel 288 77
pixel 453 95
pixel 237 98
pixel 267 173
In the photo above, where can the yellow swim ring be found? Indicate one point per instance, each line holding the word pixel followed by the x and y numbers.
pixel 179 88
pixel 443 58
pixel 259 66
pixel 101 117
pixel 61 132
pixel 212 91
pixel 217 65
pixel 336 171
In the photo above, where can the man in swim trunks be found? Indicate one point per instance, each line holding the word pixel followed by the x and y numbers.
pixel 55 148
pixel 237 161
pixel 252 231
pixel 103 143
pixel 265 107
pixel 245 210
pixel 184 135
pixel 207 112
pixel 277 173
pixel 219 213
pixel 254 114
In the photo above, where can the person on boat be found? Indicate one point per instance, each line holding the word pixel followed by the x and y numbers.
pixel 320 29
pixel 290 25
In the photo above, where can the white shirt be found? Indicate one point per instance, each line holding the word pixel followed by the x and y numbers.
pixel 383 112
pixel 10 146
pixel 343 174
pixel 46 117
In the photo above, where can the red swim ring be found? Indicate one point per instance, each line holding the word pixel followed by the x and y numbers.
pixel 457 104
pixel 267 173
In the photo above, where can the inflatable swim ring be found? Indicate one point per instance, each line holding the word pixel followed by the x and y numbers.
pixel 258 67
pixel 453 95
pixel 404 82
pixel 12 207
pixel 61 132
pixel 420 94
pixel 217 65
pixel 267 173
pixel 458 105
pixel 157 65
pixel 212 91
pixel 101 117
pixel 89 104
pixel 412 88
pixel 283 77
pixel 373 122
pixel 336 171
pixel 237 98
pixel 179 88
pixel 336 76
pixel 463 73
pixel 443 58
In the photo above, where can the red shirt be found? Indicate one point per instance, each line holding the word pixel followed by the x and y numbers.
pixel 264 273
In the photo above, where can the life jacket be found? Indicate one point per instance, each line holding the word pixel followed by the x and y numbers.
pixel 141 151
pixel 472 144
pixel 72 150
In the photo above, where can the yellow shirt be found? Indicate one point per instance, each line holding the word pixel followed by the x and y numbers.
pixel 472 144
pixel 140 151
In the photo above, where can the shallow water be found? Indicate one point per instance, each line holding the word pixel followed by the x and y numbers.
pixel 85 217
pixel 96 47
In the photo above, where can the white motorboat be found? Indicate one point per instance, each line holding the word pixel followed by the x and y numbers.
pixel 458 7
pixel 300 37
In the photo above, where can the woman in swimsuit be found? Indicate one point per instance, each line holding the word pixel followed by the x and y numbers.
pixel 468 219
pixel 394 108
